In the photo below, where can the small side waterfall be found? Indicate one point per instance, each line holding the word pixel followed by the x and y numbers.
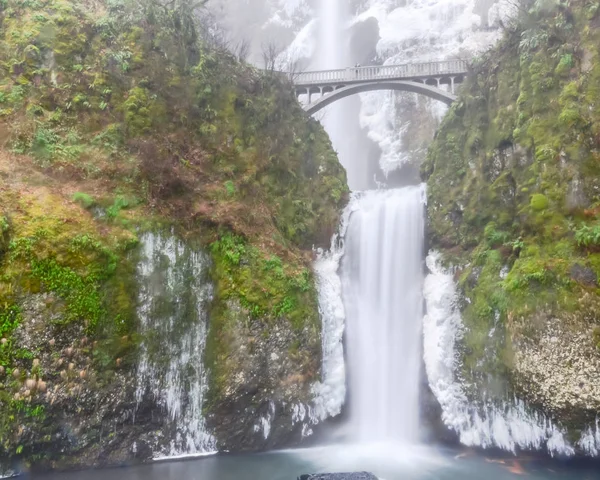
pixel 382 279
pixel 174 296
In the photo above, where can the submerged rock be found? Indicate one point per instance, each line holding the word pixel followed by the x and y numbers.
pixel 339 476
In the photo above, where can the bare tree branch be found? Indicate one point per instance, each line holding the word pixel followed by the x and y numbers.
pixel 270 56
pixel 294 69
pixel 242 50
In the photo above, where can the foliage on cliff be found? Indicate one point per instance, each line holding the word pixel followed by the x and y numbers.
pixel 115 117
pixel 514 192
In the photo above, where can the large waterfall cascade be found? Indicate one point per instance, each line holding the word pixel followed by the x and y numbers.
pixel 341 118
pixel 381 274
pixel 382 280
pixel 381 271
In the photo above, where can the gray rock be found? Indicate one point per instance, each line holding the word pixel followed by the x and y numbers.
pixel 339 476
pixel 363 40
pixel 576 197
pixel 584 275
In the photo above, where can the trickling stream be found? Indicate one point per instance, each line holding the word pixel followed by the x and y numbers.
pixel 174 295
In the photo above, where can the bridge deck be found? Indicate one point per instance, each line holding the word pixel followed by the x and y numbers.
pixel 383 72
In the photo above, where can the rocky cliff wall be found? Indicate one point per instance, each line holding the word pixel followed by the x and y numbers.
pixel 158 208
pixel 513 205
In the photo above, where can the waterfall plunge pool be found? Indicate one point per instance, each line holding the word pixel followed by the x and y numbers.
pixel 387 461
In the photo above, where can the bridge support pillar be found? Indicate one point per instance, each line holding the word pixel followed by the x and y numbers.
pixel 438 80
pixel 452 84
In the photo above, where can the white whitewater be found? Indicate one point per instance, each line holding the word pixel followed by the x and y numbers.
pixel 382 283
pixel 590 440
pixel 330 392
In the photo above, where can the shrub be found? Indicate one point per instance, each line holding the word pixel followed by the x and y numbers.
pixel 494 237
pixel 588 236
pixel 121 203
pixel 565 65
pixel 83 199
pixel 230 188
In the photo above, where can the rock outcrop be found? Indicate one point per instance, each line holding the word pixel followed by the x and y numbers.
pixel 123 122
pixel 513 186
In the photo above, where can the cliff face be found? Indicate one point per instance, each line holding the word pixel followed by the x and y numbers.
pixel 514 195
pixel 159 200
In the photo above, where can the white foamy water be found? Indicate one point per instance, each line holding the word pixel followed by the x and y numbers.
pixel 382 284
pixel 174 296
pixel 509 425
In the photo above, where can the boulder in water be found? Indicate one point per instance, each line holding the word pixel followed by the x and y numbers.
pixel 339 476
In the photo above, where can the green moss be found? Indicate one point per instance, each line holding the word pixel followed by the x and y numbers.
pixel 56 248
pixel 266 287
pixel 539 202
pixel 80 293
pixel 142 110
pixel 74 263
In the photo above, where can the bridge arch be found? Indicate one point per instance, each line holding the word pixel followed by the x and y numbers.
pixel 399 85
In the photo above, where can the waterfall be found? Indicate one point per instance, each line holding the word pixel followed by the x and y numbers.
pixel 382 284
pixel 340 119
pixel 174 296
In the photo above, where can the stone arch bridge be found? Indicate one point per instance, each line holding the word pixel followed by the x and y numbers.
pixel 437 80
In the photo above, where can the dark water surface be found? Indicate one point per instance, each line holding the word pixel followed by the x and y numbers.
pixel 387 462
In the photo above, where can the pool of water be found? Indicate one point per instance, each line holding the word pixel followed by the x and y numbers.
pixel 388 462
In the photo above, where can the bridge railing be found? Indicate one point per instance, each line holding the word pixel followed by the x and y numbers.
pixel 353 74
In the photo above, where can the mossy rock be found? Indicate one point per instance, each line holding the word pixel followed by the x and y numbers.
pixel 539 202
